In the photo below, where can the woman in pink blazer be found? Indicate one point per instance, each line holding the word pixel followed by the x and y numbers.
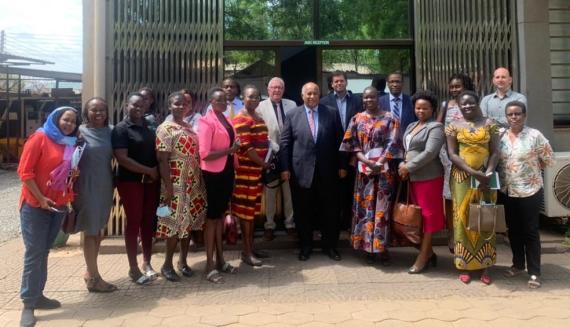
pixel 216 137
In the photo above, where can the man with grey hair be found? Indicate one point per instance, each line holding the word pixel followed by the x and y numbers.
pixel 493 105
pixel 309 156
pixel 273 111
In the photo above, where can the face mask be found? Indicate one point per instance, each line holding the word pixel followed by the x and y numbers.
pixel 163 211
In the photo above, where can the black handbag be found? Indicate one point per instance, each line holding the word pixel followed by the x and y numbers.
pixel 271 177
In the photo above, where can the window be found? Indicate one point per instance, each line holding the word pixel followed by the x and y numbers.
pixel 268 20
pixel 364 19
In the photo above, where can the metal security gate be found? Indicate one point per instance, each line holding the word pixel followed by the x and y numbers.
pixel 473 37
pixel 163 44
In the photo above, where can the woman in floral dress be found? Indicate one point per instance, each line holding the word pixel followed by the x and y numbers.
pixel 373 136
pixel 449 112
pixel 183 189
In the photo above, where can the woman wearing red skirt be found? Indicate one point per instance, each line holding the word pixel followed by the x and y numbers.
pixel 423 140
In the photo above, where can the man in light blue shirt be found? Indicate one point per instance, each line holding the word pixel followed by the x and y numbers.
pixel 493 105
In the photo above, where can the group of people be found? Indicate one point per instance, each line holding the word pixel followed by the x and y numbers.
pixel 340 159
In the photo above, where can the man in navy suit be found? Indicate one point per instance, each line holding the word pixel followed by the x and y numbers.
pixel 347 106
pixel 399 104
pixel 310 159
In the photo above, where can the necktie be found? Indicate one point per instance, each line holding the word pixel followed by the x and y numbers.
pixel 312 124
pixel 396 108
pixel 231 114
pixel 278 115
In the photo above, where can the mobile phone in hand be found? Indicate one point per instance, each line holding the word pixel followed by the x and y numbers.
pixel 52 209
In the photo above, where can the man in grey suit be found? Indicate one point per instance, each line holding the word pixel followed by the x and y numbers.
pixel 273 111
pixel 310 158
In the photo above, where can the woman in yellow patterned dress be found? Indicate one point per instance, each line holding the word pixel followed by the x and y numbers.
pixel 183 189
pixel 473 150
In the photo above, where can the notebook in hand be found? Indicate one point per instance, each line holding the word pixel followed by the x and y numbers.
pixel 494 183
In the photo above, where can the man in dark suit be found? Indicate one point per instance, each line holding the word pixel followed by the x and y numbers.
pixel 347 106
pixel 399 104
pixel 310 159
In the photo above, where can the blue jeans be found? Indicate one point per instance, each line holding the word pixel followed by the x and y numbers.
pixel 39 230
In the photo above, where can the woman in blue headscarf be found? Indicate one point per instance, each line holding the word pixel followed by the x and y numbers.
pixel 46 172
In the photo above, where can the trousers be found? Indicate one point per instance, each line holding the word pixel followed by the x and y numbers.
pixel 271 205
pixel 522 217
pixel 39 230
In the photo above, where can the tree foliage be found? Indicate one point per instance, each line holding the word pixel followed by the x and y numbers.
pixel 339 20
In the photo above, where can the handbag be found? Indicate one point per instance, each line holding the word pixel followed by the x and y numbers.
pixel 69 221
pixel 407 218
pixel 486 217
pixel 270 175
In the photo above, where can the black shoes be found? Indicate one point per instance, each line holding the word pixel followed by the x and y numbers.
pixel 47 304
pixel 304 255
pixel 27 318
pixel 332 254
pixel 170 274
pixel 261 254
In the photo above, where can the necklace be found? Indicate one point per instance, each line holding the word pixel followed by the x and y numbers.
pixel 471 125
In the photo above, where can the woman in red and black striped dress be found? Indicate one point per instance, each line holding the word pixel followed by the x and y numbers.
pixel 246 200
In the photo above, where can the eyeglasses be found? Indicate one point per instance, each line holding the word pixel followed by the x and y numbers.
pixel 514 114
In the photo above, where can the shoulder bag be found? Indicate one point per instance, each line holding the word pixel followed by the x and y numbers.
pixel 407 218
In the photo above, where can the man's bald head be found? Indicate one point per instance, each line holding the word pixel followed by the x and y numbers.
pixel 502 79
pixel 311 94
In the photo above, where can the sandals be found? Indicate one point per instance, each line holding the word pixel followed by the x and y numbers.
pixel 251 260
pixel 139 278
pixel 534 282
pixel 228 269
pixel 465 278
pixel 485 278
pixel 512 272
pixel 215 277
pixel 98 285
pixel 149 272
pixel 185 270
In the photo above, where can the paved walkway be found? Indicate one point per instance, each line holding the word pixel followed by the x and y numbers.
pixel 286 292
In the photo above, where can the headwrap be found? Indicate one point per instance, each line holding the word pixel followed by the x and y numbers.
pixel 62 177
pixel 51 127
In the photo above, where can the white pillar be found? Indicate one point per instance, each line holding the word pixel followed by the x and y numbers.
pixel 534 63
pixel 94 49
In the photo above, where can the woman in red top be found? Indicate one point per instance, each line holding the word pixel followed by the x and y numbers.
pixel 44 168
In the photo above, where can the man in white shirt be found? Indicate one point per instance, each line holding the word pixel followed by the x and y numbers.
pixel 493 105
pixel 273 111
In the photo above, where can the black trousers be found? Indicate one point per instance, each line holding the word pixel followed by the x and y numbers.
pixel 317 208
pixel 522 216
pixel 346 189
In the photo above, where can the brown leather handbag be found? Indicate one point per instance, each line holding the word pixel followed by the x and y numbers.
pixel 407 218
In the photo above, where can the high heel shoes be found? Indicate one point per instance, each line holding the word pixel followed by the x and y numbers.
pixel 431 261
pixel 415 270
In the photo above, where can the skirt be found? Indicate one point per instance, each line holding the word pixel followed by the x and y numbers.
pixel 219 189
pixel 428 195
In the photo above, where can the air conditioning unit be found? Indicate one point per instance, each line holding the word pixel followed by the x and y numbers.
pixel 557 187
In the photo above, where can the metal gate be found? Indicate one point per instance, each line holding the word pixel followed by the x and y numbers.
pixel 163 44
pixel 473 37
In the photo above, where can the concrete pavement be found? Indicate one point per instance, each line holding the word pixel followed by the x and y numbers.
pixel 286 292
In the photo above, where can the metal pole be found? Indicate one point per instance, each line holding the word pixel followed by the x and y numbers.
pixel 2 41
pixel 7 121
